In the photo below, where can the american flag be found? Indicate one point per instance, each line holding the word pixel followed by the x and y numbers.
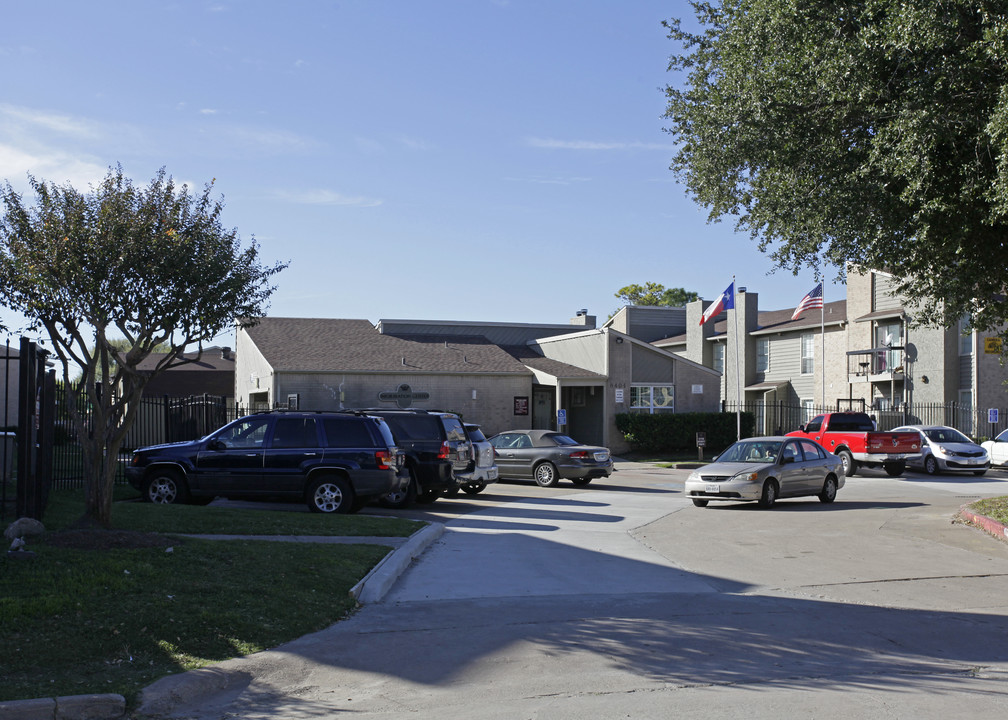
pixel 809 302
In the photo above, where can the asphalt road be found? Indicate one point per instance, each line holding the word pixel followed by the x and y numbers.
pixel 623 600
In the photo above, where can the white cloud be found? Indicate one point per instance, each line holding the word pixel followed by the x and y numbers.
pixel 272 139
pixel 208 111
pixel 325 197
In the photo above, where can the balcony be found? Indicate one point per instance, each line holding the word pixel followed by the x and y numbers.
pixel 875 365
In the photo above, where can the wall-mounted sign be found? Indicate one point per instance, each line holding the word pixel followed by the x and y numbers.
pixel 403 396
pixel 521 405
pixel 698 389
pixel 619 395
pixel 992 345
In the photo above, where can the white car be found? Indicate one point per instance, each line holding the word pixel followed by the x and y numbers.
pixel 945 449
pixel 997 450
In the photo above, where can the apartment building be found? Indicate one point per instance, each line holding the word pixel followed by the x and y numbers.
pixel 869 351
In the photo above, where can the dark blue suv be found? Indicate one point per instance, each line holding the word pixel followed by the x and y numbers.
pixel 334 462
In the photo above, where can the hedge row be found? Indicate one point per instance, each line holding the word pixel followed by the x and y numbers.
pixel 676 432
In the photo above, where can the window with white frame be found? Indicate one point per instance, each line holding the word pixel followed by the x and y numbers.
pixel 719 349
pixel 965 336
pixel 652 399
pixel 762 354
pixel 807 353
pixel 808 410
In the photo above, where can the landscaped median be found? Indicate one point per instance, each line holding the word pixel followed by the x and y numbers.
pixel 990 515
pixel 110 611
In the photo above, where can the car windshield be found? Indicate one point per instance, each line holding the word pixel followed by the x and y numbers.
pixel 759 451
pixel 475 434
pixel 950 435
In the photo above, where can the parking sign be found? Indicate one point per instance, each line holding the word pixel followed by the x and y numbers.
pixel 992 416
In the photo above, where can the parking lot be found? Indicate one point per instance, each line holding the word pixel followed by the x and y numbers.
pixel 624 600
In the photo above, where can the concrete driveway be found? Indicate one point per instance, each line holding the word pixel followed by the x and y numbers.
pixel 624 600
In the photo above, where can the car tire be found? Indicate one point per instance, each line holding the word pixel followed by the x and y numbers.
pixel 426 497
pixel 769 495
pixel 931 465
pixel 545 474
pixel 330 494
pixel 829 490
pixel 398 499
pixel 849 463
pixel 581 481
pixel 474 488
pixel 700 502
pixel 165 487
pixel 894 469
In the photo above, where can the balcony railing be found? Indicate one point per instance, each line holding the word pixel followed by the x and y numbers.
pixel 881 364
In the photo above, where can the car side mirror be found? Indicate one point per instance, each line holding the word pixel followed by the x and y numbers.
pixel 787 459
pixel 217 445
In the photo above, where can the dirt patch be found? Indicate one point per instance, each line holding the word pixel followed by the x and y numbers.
pixel 98 539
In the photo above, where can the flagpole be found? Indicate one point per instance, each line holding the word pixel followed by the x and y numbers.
pixel 822 359
pixel 738 388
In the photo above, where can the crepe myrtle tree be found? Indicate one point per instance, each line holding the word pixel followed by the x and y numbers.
pixel 152 266
pixel 869 132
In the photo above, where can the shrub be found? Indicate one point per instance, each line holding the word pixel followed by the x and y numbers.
pixel 676 432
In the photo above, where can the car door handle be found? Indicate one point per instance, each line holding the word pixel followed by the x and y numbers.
pixel 251 454
pixel 310 454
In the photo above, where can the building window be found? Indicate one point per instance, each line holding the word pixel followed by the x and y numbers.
pixel 762 354
pixel 719 357
pixel 889 335
pixel 965 336
pixel 807 353
pixel 652 399
pixel 808 410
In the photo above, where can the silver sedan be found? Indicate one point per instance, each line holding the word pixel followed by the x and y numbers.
pixel 765 469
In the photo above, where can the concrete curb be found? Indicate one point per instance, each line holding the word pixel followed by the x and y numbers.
pixel 983 522
pixel 383 575
pixel 66 707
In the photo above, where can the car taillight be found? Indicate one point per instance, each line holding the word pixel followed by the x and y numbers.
pixel 445 451
pixel 579 455
pixel 384 459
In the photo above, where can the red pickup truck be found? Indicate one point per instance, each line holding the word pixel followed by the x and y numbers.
pixel 853 437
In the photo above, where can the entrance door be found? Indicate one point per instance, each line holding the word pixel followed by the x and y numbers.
pixel 543 408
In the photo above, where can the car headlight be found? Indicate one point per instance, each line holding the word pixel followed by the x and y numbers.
pixel 693 477
pixel 746 477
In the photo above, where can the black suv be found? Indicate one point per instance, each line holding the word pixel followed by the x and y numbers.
pixel 436 447
pixel 335 462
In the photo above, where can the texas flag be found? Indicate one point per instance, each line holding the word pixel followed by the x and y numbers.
pixel 725 302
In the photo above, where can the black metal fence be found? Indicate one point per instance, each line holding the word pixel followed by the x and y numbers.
pixel 158 420
pixel 978 423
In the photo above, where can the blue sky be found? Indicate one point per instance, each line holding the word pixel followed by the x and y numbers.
pixel 446 160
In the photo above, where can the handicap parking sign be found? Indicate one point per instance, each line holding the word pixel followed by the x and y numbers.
pixel 561 417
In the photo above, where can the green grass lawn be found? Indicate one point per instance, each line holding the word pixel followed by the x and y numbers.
pixel 113 612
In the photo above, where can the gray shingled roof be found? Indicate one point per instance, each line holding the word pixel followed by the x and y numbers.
pixel 334 345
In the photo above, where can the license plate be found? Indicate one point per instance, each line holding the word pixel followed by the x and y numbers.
pixel 712 488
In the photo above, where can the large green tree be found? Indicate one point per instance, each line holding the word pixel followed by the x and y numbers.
pixel 873 132
pixel 652 293
pixel 112 275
